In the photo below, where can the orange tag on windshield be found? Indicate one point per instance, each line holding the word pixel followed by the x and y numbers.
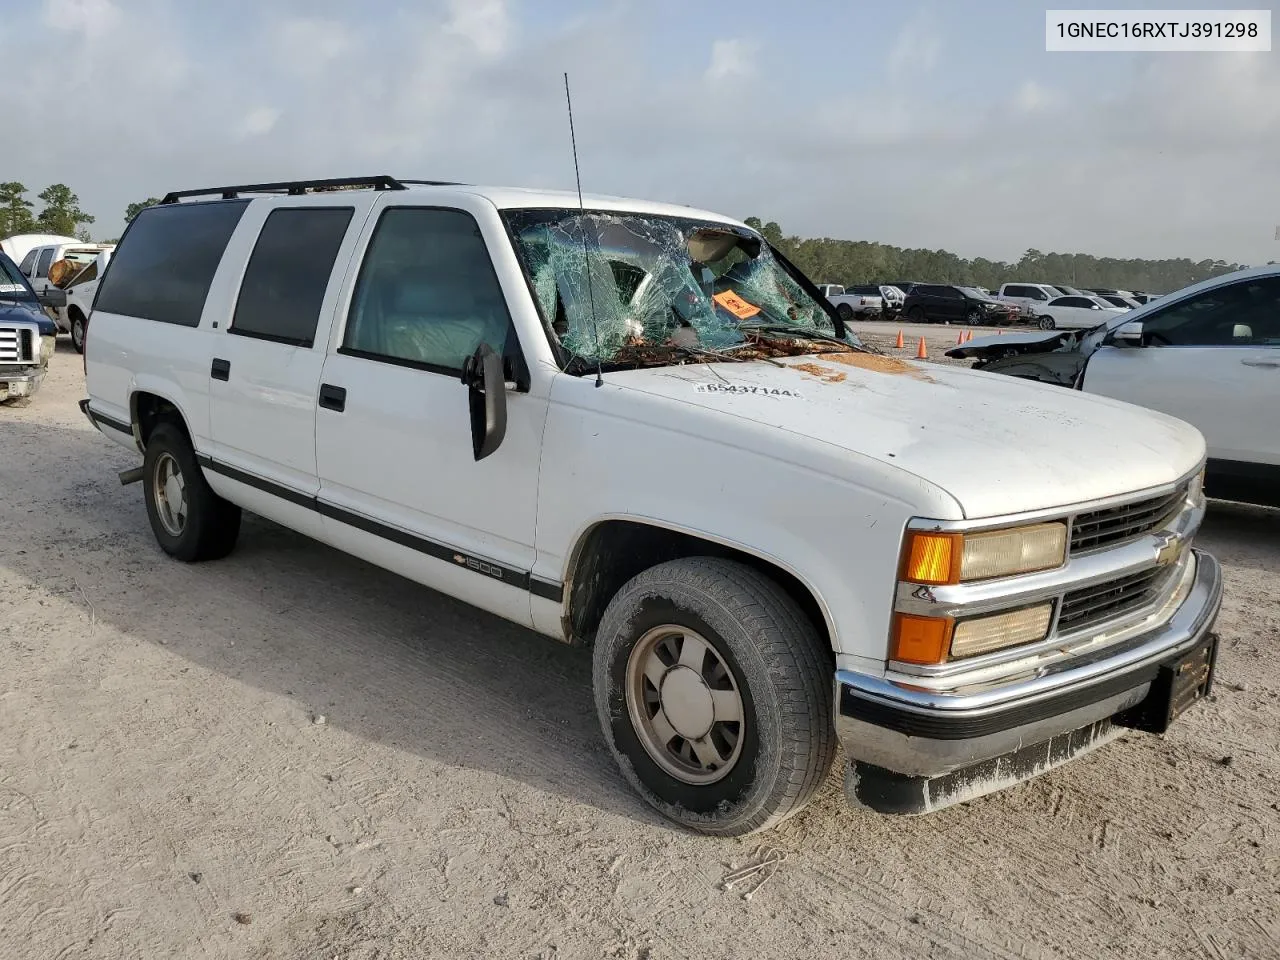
pixel 736 305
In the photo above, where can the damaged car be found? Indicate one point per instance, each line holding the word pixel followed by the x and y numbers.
pixel 27 335
pixel 1208 354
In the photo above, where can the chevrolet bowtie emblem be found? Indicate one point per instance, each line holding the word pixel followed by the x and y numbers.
pixel 1170 549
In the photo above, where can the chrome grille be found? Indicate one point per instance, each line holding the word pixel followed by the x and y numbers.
pixel 1109 601
pixel 1113 525
pixel 11 344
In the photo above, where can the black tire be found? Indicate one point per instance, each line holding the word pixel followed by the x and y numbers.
pixel 782 671
pixel 916 315
pixel 1045 323
pixel 210 524
pixel 77 330
pixel 845 312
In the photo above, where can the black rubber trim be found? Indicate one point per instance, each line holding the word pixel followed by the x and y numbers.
pixel 431 548
pixel 885 791
pixel 935 726
pixel 103 421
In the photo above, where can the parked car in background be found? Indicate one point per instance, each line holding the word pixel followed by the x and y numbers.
pixel 1070 291
pixel 18 246
pixel 1208 354
pixel 73 314
pixel 375 370
pixel 1027 297
pixel 1128 303
pixel 1075 313
pixel 858 306
pixel 26 334
pixel 891 297
pixel 944 303
pixel 40 263
pixel 1108 292
pixel 1144 298
pixel 830 289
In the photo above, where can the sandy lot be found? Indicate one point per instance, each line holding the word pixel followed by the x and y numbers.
pixel 167 787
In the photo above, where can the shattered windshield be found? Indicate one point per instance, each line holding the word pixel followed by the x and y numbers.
pixel 622 288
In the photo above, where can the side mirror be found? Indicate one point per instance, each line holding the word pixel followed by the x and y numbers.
pixel 1128 334
pixel 487 397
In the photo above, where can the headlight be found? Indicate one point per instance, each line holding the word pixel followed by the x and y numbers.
pixel 983 634
pixel 943 558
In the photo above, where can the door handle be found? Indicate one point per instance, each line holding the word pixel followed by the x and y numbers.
pixel 220 369
pixel 333 398
pixel 1272 364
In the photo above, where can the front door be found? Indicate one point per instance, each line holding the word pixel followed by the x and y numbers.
pixel 1212 359
pixel 399 482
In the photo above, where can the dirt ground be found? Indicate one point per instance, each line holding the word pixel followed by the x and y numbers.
pixel 291 754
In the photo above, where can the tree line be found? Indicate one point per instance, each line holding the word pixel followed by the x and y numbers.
pixel 59 214
pixel 851 262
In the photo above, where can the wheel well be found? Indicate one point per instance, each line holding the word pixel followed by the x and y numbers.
pixel 148 410
pixel 75 311
pixel 614 551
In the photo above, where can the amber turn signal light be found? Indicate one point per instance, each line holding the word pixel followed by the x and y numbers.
pixel 922 640
pixel 932 558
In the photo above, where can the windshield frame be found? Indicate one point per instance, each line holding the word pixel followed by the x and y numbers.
pixel 564 357
pixel 15 278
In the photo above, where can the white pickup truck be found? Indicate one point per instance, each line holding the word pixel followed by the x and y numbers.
pixel 636 427
pixel 851 304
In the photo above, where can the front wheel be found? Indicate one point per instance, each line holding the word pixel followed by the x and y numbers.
pixel 1045 323
pixel 714 692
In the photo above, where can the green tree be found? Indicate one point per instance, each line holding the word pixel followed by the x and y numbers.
pixel 61 213
pixel 137 207
pixel 15 210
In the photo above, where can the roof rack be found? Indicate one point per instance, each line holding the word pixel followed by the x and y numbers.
pixel 295 188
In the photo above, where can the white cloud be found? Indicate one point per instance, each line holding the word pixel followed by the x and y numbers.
pixel 308 45
pixel 916 48
pixel 85 16
pixel 1031 97
pixel 732 59
pixel 257 122
pixel 485 24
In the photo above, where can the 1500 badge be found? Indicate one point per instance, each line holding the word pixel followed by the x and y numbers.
pixel 740 388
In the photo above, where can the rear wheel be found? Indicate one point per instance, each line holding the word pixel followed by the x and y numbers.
pixel 1045 323
pixel 77 330
pixel 916 314
pixel 845 312
pixel 189 520
pixel 714 693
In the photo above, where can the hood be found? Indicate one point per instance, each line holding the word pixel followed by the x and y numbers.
pixel 24 311
pixel 998 444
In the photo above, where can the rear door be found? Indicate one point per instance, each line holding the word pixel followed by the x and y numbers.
pixel 270 342
pixel 1212 359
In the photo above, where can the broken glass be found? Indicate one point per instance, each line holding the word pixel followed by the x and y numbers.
pixel 614 286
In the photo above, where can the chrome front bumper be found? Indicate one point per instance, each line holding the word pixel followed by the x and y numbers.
pixel 900 736
pixel 21 382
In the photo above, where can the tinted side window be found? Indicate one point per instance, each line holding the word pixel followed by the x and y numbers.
pixel 288 273
pixel 166 261
pixel 427 295
pixel 1017 290
pixel 42 265
pixel 1077 302
pixel 84 276
pixel 1242 314
pixel 28 262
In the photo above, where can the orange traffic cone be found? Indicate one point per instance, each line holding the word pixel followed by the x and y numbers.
pixel 968 336
pixel 899 339
pixel 959 338
pixel 921 352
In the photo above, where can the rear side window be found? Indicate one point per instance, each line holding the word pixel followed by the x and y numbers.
pixel 288 273
pixel 28 262
pixel 42 265
pixel 166 261
pixel 84 276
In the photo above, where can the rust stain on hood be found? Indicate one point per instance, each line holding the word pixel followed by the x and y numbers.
pixel 877 363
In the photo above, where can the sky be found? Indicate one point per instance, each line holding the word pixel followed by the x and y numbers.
pixel 942 124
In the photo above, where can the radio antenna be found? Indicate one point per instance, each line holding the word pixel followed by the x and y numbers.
pixel 586 262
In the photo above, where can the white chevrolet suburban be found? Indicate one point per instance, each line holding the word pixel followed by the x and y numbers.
pixel 636 427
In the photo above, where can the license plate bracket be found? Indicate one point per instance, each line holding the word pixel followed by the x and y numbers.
pixel 1177 685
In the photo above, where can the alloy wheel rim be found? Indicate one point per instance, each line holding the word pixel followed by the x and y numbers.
pixel 170 495
pixel 685 705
